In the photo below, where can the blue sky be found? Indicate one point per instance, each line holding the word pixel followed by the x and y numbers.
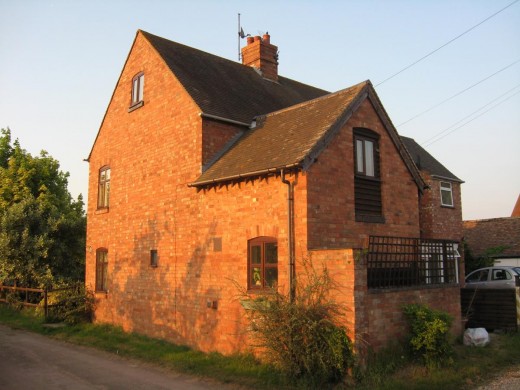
pixel 60 61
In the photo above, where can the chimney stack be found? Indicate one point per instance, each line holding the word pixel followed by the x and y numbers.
pixel 260 54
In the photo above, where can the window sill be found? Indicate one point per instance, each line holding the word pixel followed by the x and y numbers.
pixel 103 210
pixel 370 218
pixel 370 178
pixel 136 106
pixel 445 206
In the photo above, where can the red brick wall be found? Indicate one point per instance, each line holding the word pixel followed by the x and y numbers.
pixel 331 190
pixel 440 222
pixel 215 136
pixel 153 152
pixel 201 237
pixel 386 321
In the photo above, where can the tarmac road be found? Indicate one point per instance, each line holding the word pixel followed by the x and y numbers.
pixel 32 361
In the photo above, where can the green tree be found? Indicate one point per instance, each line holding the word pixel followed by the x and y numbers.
pixel 42 228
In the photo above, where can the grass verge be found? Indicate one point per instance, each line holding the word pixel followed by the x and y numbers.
pixel 239 369
pixel 391 369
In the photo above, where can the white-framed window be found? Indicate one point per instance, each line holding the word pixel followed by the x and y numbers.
pixel 446 194
pixel 104 187
pixel 365 161
pixel 137 89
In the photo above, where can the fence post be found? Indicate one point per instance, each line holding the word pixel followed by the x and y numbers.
pixel 45 305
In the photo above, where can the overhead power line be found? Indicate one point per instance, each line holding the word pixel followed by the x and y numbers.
pixel 469 116
pixel 446 44
pixel 471 120
pixel 458 93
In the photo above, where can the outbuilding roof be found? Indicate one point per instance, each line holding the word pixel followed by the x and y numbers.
pixel 295 136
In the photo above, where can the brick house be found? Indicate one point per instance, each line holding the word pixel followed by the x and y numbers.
pixel 441 207
pixel 207 173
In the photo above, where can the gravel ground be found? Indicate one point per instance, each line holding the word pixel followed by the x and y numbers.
pixel 508 380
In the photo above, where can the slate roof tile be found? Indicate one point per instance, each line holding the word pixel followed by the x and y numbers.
pixel 425 161
pixel 227 88
pixel 284 138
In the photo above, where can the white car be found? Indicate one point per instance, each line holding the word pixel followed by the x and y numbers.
pixel 493 277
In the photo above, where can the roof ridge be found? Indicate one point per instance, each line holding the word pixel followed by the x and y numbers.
pixel 330 95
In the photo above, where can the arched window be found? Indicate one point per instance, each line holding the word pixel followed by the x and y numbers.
pixel 104 187
pixel 101 269
pixel 137 89
pixel 262 263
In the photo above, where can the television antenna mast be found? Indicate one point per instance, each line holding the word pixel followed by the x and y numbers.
pixel 241 35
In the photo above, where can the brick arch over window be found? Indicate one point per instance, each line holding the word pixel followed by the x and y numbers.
pixel 264 230
pixel 262 263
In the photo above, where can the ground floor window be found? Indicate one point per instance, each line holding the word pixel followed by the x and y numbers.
pixel 101 269
pixel 262 263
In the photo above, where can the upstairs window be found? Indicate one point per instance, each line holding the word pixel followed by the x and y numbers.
pixel 367 183
pixel 365 161
pixel 262 263
pixel 137 89
pixel 104 188
pixel 101 269
pixel 446 194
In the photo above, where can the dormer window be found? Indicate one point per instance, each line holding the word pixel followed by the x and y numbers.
pixel 137 90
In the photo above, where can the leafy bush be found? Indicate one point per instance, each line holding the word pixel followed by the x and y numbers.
pixel 429 335
pixel 303 337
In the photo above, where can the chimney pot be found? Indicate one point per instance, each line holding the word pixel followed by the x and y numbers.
pixel 262 55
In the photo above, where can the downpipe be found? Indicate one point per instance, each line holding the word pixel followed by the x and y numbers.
pixel 290 235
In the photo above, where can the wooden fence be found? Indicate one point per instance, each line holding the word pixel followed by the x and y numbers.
pixel 491 308
pixel 31 297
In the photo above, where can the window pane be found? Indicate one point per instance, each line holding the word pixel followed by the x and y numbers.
pixel 369 158
pixel 359 156
pixel 256 255
pixel 101 270
pixel 141 87
pixel 271 277
pixel 135 90
pixel 256 277
pixel 446 198
pixel 446 194
pixel 271 253
pixel 107 194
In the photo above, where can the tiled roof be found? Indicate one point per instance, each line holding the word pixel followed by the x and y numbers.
pixel 226 88
pixel 425 161
pixel 284 138
pixel 484 234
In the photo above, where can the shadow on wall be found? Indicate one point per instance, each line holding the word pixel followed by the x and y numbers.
pixel 171 300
